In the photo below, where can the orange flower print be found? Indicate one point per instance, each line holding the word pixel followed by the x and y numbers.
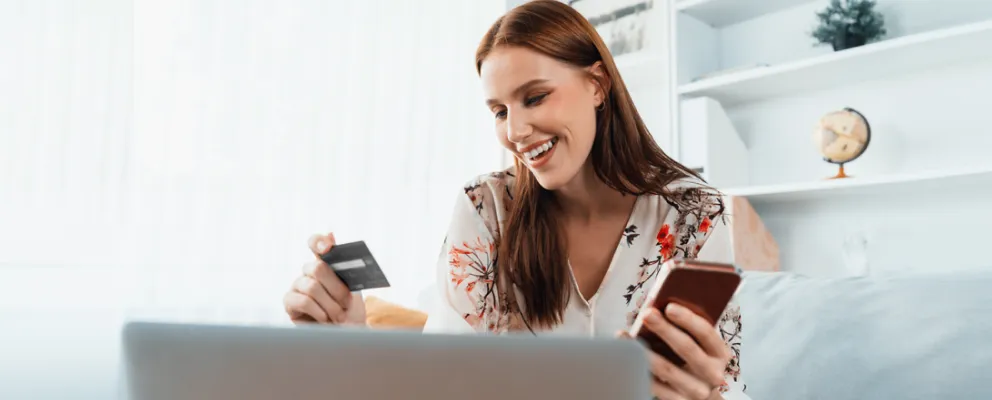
pixel 458 275
pixel 667 242
pixel 663 233
pixel 705 225
pixel 472 272
pixel 455 257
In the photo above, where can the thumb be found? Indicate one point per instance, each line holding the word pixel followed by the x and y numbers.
pixel 355 313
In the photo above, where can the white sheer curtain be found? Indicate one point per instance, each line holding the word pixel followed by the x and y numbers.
pixel 169 158
pixel 65 98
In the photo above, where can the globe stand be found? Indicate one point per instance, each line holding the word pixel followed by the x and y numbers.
pixel 840 173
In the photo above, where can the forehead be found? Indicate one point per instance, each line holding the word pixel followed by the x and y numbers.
pixel 506 68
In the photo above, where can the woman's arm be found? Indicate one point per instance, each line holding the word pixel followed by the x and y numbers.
pixel 464 274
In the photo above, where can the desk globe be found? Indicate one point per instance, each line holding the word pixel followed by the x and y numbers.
pixel 842 136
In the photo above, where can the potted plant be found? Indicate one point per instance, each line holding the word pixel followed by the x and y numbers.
pixel 849 23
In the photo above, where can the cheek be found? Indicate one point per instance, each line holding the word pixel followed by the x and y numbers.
pixel 559 116
pixel 580 120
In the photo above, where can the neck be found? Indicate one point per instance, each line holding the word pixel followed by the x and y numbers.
pixel 587 197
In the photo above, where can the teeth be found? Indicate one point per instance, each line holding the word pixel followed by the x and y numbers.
pixel 540 149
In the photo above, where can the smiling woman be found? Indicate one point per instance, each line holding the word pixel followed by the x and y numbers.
pixel 587 176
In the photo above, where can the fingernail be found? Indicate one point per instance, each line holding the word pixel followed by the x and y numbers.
pixel 321 246
pixel 675 309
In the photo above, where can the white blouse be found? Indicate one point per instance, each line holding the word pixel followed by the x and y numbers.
pixel 655 233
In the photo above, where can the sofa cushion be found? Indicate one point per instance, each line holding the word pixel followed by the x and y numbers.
pixel 912 336
pixel 382 314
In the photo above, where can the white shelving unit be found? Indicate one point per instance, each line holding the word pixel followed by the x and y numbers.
pixel 720 13
pixel 923 88
pixel 892 185
pixel 907 54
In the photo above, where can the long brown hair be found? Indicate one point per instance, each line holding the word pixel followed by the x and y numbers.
pixel 531 251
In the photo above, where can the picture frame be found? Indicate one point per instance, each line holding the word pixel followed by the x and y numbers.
pixel 625 25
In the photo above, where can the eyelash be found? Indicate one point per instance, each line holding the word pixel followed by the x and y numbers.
pixel 529 102
pixel 535 99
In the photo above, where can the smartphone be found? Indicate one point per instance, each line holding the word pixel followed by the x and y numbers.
pixel 705 288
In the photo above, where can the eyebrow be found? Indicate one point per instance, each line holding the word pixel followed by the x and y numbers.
pixel 521 88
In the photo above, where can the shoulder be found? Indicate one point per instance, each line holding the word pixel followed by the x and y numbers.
pixel 490 195
pixel 490 183
pixel 694 197
pixel 691 210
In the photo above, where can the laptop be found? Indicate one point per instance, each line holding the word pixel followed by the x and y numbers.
pixel 195 361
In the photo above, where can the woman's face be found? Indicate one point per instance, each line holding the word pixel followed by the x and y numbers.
pixel 544 111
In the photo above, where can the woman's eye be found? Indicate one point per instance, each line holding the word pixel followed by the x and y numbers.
pixel 535 99
pixel 501 114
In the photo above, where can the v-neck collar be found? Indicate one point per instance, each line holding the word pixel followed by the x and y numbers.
pixel 613 260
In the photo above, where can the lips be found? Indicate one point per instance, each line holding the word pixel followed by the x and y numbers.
pixel 538 154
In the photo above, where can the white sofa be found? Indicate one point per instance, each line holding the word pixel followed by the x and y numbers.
pixel 910 336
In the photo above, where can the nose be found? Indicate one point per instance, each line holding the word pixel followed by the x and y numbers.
pixel 518 128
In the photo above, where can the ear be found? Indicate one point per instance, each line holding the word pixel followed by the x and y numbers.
pixel 600 79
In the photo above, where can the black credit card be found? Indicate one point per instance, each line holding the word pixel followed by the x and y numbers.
pixel 354 265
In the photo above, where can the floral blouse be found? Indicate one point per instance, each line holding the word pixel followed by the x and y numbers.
pixel 656 232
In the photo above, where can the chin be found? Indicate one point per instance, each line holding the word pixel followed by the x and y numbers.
pixel 552 180
pixel 548 182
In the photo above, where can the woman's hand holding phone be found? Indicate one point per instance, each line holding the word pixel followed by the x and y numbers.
pixel 702 375
pixel 319 296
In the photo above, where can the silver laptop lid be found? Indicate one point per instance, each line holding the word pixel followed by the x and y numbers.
pixel 188 361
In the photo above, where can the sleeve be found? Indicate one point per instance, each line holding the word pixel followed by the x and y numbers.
pixel 464 274
pixel 712 236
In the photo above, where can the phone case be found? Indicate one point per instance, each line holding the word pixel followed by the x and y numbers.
pixel 704 288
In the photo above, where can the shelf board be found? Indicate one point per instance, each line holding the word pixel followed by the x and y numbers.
pixel 891 57
pixel 951 181
pixel 720 13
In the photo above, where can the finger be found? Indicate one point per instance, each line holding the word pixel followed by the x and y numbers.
pixel 329 280
pixel 320 244
pixel 681 343
pixel 712 362
pixel 313 289
pixel 299 304
pixel 622 334
pixel 677 378
pixel 299 318
pixel 700 328
pixel 662 391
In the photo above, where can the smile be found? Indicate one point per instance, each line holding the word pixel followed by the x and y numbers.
pixel 540 154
